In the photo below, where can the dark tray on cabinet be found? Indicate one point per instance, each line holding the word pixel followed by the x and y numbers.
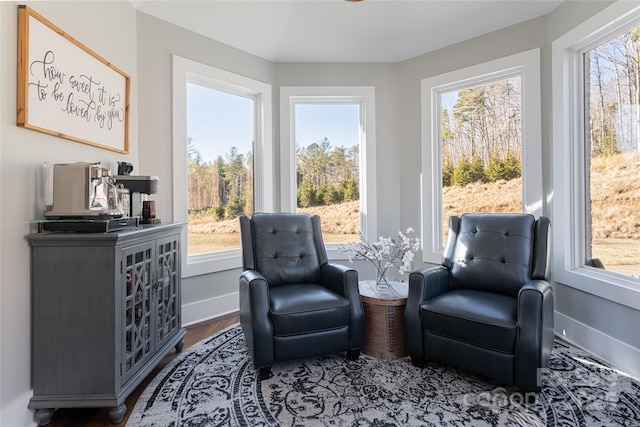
pixel 89 225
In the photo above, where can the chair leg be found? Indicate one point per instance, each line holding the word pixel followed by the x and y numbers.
pixel 353 354
pixel 264 373
pixel 418 361
pixel 530 398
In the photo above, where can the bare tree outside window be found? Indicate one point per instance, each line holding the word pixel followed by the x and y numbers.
pixel 612 154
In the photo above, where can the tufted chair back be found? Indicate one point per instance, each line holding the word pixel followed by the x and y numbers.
pixel 286 247
pixel 496 253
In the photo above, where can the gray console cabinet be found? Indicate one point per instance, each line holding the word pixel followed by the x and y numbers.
pixel 106 310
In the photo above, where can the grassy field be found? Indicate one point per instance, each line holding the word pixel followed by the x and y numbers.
pixel 340 224
pixel 615 211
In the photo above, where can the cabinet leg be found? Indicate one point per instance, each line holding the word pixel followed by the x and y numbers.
pixel 43 416
pixel 179 346
pixel 117 413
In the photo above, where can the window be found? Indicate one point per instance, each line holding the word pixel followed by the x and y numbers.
pixel 481 149
pixel 328 159
pixel 481 144
pixel 596 165
pixel 220 166
pixel 612 154
pixel 327 136
pixel 222 161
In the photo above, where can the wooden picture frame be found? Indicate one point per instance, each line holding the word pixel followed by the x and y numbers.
pixel 67 90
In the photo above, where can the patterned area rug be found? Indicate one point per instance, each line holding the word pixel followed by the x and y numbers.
pixel 214 383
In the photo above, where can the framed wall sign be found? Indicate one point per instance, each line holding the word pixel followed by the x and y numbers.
pixel 67 90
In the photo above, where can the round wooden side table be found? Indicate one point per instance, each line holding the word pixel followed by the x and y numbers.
pixel 384 319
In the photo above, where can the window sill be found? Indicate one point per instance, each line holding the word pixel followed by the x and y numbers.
pixel 335 254
pixel 618 288
pixel 198 265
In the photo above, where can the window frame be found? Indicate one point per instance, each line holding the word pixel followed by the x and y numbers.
pixel 525 64
pixel 569 174
pixel 365 97
pixel 188 71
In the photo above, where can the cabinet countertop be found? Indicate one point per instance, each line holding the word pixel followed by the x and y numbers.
pixel 143 229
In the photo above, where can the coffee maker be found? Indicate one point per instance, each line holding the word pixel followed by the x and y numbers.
pixel 80 190
pixel 141 185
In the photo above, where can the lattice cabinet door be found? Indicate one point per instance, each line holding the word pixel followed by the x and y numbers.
pixel 167 288
pixel 139 271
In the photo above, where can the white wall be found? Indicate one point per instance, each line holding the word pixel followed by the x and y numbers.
pixel 214 294
pixel 603 327
pixel 499 44
pixel 142 47
pixel 384 77
pixel 109 29
pixel 398 142
pixel 157 42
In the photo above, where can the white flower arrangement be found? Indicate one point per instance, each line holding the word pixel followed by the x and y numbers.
pixel 384 253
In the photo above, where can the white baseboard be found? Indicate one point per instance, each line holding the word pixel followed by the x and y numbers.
pixel 618 353
pixel 200 311
pixel 16 413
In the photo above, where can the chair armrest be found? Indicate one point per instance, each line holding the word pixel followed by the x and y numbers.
pixel 424 284
pixel 254 317
pixel 427 283
pixel 535 333
pixel 343 280
pixel 333 276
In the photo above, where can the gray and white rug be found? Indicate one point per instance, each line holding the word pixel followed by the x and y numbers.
pixel 213 383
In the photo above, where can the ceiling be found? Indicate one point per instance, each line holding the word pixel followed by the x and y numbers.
pixel 342 31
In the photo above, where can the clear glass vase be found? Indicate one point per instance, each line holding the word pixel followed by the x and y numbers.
pixel 382 283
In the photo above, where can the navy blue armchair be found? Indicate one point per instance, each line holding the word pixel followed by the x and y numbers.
pixel 489 307
pixel 293 302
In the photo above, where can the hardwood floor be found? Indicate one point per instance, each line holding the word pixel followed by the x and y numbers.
pixel 99 417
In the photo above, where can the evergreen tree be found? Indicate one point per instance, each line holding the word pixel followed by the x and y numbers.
pixel 447 171
pixel 307 194
pixel 512 166
pixel 477 169
pixel 462 173
pixel 493 171
pixel 350 190
pixel 235 208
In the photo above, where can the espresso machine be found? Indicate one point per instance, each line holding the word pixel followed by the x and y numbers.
pixel 80 190
pixel 139 187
